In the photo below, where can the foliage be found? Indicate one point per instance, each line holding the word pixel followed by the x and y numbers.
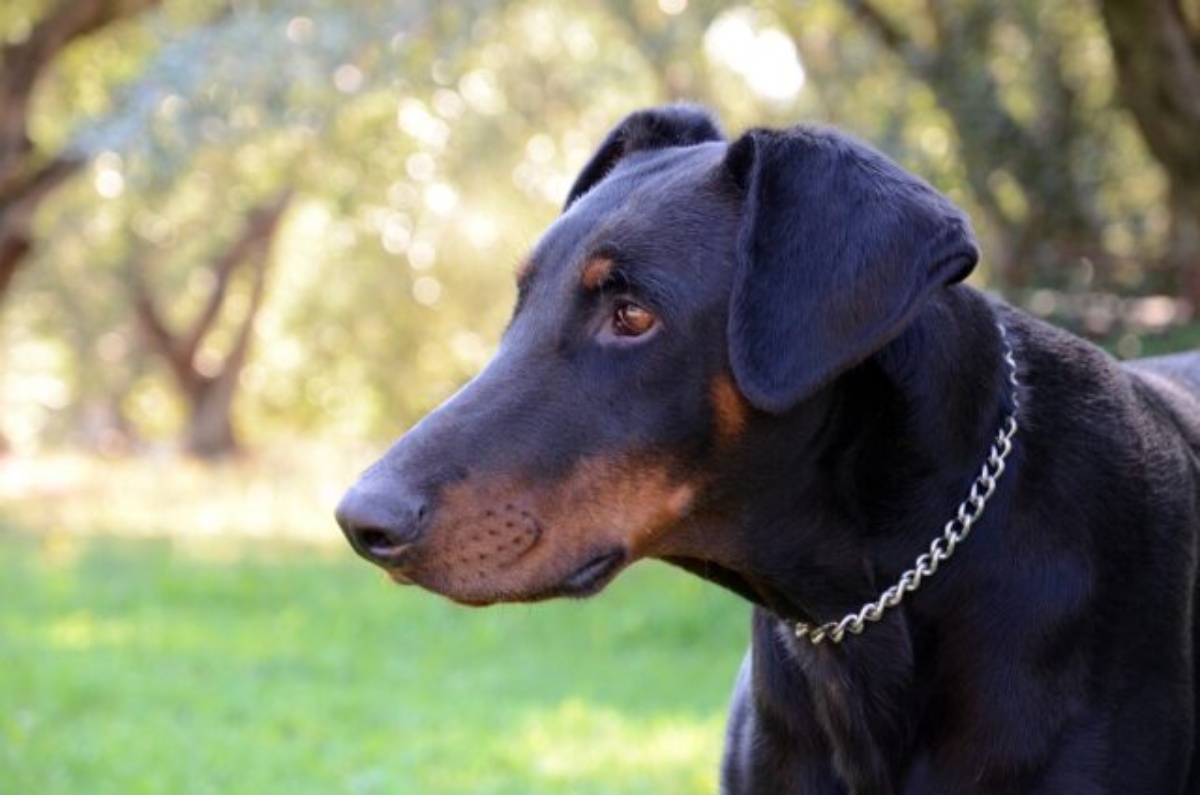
pixel 428 143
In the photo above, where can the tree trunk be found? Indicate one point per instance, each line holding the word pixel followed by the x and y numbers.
pixel 1056 225
pixel 1183 254
pixel 19 200
pixel 1156 49
pixel 210 432
pixel 13 249
pixel 26 178
pixel 209 395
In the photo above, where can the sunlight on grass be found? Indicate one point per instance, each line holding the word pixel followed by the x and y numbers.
pixel 289 494
pixel 81 631
pixel 578 740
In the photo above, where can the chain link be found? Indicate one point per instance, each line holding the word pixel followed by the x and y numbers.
pixel 954 533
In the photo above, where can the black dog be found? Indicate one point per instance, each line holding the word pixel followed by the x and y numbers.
pixel 754 360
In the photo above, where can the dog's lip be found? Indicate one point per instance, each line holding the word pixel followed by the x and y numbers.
pixel 592 576
pixel 586 580
pixel 398 576
pixel 397 565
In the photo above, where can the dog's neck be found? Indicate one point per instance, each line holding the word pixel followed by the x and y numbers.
pixel 877 463
pixel 956 530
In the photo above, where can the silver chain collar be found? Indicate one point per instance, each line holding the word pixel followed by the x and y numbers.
pixel 953 534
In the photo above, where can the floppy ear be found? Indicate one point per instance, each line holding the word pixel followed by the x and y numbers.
pixel 838 250
pixel 655 128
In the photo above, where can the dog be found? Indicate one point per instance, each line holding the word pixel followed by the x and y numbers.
pixel 969 539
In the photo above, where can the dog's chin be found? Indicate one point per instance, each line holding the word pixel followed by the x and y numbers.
pixel 399 577
pixel 587 579
pixel 592 577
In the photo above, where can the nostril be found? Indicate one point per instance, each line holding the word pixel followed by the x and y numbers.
pixel 376 541
pixel 382 525
pixel 380 545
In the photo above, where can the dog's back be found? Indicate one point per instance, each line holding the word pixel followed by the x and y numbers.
pixel 1175 380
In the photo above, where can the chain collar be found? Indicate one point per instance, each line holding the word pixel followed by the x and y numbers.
pixel 953 534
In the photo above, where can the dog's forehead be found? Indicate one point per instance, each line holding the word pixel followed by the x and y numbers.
pixel 646 193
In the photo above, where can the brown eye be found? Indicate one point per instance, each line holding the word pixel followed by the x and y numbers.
pixel 631 320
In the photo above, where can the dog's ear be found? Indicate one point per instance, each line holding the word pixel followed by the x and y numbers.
pixel 839 248
pixel 654 128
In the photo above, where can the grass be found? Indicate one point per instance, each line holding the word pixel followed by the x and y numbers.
pixel 188 655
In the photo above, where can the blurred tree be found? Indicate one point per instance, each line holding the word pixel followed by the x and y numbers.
pixel 341 107
pixel 1018 165
pixel 28 176
pixel 1156 48
pixel 426 144
pixel 208 383
pixel 1043 142
pixel 667 43
pixel 406 131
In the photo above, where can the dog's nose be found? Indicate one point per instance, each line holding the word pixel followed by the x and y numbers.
pixel 381 526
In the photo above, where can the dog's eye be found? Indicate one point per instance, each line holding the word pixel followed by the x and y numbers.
pixel 631 320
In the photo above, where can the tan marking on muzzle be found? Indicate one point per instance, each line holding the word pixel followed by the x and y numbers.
pixel 511 539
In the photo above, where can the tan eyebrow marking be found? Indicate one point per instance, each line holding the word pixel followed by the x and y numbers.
pixel 596 272
pixel 730 409
pixel 524 267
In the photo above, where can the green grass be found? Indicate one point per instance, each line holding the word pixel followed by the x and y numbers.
pixel 234 664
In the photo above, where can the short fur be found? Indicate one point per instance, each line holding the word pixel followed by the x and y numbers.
pixel 812 404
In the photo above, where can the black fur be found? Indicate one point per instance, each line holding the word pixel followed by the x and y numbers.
pixel 1053 654
pixel 866 261
pixel 677 125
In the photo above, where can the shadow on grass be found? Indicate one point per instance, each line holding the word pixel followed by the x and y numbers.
pixel 145 665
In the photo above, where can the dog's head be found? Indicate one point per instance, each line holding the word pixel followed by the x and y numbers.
pixel 693 295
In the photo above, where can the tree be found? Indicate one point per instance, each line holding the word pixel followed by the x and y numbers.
pixel 209 386
pixel 1156 50
pixel 429 143
pixel 27 176
pixel 1044 140
pixel 947 48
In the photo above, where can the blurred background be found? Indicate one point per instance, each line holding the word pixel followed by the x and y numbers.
pixel 244 245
